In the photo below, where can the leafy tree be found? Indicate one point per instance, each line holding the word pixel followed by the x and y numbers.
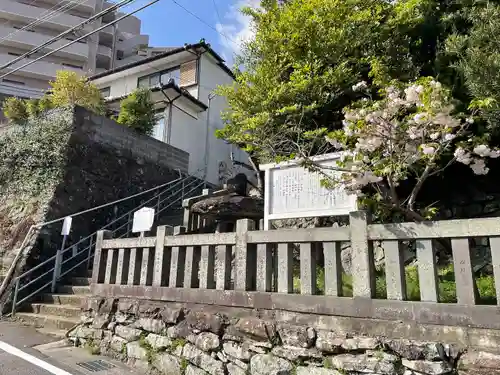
pixel 405 135
pixel 69 89
pixel 15 110
pixel 137 112
pixel 306 56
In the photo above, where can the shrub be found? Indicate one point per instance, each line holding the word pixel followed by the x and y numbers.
pixel 137 112
pixel 15 110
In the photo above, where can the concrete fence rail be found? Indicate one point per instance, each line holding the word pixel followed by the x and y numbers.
pixel 196 268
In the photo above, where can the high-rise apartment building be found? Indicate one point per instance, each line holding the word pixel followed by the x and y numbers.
pixel 113 46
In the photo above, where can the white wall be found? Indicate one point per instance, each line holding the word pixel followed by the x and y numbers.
pixel 189 131
pixel 211 76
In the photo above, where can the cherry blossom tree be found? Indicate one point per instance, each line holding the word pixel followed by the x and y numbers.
pixel 413 132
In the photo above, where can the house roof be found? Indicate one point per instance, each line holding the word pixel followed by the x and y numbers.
pixel 170 85
pixel 169 52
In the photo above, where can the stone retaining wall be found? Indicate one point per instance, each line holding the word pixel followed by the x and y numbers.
pixel 171 340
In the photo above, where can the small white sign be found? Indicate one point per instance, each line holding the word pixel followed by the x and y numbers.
pixel 143 220
pixel 66 228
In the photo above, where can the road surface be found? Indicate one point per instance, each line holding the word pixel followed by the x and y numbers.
pixel 24 351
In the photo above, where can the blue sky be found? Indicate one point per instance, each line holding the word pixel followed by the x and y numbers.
pixel 169 25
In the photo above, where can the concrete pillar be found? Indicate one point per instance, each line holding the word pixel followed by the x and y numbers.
pixel 285 268
pixel 332 252
pixel 244 271
pixel 467 293
pixel 427 272
pixel 178 256
pixel 162 259
pixel 134 274
pixel 307 268
pixel 122 267
pixel 264 267
pixel 363 270
pixel 394 270
pixel 207 267
pixel 99 269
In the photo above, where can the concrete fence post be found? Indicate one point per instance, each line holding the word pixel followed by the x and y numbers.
pixel 178 257
pixel 363 270
pixel 244 271
pixel 99 268
pixel 162 259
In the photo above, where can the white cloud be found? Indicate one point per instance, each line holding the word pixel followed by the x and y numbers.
pixel 236 28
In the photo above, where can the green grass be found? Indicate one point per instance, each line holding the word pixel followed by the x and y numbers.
pixel 446 284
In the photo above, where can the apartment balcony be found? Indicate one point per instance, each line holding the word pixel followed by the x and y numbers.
pixel 39 70
pixel 128 45
pixel 87 7
pixel 104 52
pixel 14 11
pixel 27 40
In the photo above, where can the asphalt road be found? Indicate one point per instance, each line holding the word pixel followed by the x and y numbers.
pixel 23 351
pixel 15 336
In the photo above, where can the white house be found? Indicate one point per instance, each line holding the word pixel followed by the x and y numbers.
pixel 182 81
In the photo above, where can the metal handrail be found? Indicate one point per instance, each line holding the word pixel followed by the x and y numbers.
pixel 56 270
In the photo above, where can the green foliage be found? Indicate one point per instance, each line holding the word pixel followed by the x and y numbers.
pixel 15 110
pixel 92 347
pixel 137 112
pixel 33 156
pixel 69 89
pixel 151 353
pixel 300 68
pixel 180 341
pixel 184 365
pixel 446 284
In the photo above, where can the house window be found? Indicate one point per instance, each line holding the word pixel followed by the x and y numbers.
pixel 105 92
pixel 159 128
pixel 162 77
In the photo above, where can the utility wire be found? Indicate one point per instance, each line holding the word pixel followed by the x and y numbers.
pixel 67 32
pixel 46 16
pixel 203 21
pixel 219 17
pixel 80 38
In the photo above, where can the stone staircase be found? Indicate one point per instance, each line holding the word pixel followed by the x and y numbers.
pixel 56 313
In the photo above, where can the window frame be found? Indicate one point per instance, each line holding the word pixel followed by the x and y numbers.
pixel 157 74
pixel 105 89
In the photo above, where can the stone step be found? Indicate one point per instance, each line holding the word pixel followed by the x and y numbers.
pixel 57 333
pixel 69 311
pixel 47 321
pixel 65 299
pixel 80 281
pixel 70 289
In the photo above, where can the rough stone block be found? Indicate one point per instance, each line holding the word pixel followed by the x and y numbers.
pixel 299 336
pixel 202 360
pixel 83 332
pixel 150 325
pixel 255 328
pixel 158 342
pixel 416 350
pixel 428 367
pixel 303 370
pixel 479 360
pixel 232 369
pixel 117 344
pixel 362 363
pixel 266 364
pixel 207 341
pixel 294 354
pixel 171 315
pixel 205 322
pixel 128 333
pixel 134 350
pixel 167 364
pixel 237 350
pixel 361 343
pixel 180 330
pixel 101 321
pixel 193 370
pixel 329 342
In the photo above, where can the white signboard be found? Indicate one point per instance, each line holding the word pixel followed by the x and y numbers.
pixel 66 228
pixel 143 220
pixel 292 191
